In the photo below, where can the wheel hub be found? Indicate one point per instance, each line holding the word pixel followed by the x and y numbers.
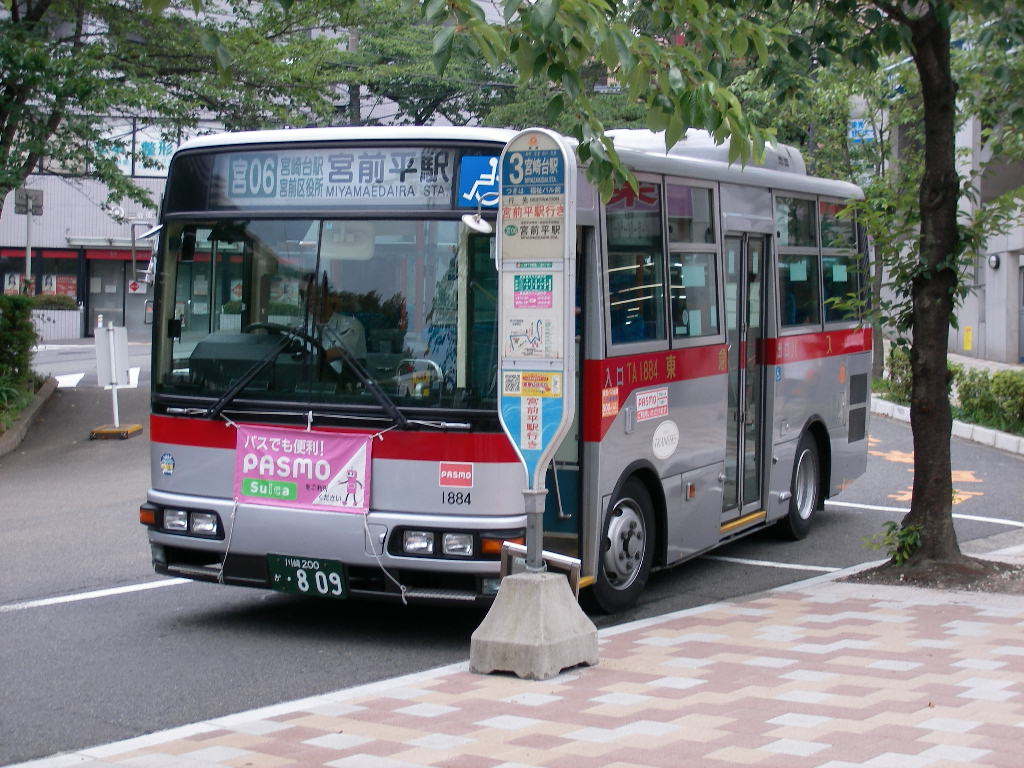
pixel 806 484
pixel 624 545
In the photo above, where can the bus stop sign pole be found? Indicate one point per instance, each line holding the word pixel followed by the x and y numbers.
pixel 535 627
pixel 536 310
pixel 112 372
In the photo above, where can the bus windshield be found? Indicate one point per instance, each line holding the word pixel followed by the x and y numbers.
pixel 410 303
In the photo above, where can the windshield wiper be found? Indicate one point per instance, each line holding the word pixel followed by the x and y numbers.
pixel 372 387
pixel 214 410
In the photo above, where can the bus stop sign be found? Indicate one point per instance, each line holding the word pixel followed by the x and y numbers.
pixel 536 311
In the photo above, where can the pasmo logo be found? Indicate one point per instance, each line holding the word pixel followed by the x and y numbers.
pixel 454 474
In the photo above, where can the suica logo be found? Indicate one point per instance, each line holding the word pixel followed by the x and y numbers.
pixel 455 475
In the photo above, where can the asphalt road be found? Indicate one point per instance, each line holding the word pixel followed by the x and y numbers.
pixel 68 360
pixel 74 674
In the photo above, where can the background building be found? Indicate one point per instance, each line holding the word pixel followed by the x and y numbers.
pixel 991 319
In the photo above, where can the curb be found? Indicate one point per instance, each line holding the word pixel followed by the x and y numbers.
pixel 12 438
pixel 1004 441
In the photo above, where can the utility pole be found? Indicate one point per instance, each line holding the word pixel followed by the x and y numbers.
pixel 28 202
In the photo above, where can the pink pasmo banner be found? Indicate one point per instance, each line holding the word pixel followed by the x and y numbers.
pixel 302 470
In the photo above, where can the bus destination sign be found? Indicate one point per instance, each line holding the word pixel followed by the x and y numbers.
pixel 368 176
pixel 536 247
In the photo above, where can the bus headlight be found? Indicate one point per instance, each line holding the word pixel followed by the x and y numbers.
pixel 203 523
pixel 460 544
pixel 175 520
pixel 418 542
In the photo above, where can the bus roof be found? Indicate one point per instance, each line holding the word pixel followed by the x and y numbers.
pixel 696 155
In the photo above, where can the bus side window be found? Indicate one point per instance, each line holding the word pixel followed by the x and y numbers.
pixel 798 289
pixel 636 265
pixel 799 292
pixel 839 275
pixel 694 294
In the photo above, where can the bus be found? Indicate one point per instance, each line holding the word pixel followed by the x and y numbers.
pixel 336 283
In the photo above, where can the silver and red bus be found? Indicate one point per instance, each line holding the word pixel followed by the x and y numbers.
pixel 723 380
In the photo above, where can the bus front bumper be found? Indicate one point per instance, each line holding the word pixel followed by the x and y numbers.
pixel 366 546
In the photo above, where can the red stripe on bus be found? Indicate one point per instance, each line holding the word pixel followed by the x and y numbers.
pixel 483 447
pixel 811 346
pixel 607 384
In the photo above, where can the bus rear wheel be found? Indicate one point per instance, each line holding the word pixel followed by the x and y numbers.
pixel 627 548
pixel 805 489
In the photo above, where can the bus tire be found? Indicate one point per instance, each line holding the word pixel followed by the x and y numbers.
pixel 627 549
pixel 805 489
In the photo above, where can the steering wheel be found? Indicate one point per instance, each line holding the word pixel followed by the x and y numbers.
pixel 277 329
pixel 299 334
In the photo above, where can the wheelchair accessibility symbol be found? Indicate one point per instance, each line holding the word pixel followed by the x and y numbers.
pixel 478 181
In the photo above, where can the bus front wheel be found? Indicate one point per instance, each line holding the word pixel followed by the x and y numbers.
pixel 627 548
pixel 805 489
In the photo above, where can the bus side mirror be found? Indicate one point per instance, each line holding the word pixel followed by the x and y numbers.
pixel 174 328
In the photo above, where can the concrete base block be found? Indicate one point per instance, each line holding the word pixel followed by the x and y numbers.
pixel 534 629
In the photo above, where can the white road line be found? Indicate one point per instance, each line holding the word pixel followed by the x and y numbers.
pixel 771 564
pixel 997 520
pixel 904 510
pixel 60 599
pixel 865 506
pixel 65 380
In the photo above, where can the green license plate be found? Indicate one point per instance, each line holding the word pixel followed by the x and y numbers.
pixel 307 576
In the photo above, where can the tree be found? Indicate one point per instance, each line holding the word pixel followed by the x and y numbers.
pixel 672 57
pixel 67 65
pixel 391 64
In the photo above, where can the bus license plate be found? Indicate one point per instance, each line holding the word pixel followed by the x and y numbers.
pixel 307 576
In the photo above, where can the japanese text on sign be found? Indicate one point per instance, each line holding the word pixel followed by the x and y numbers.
pixel 383 176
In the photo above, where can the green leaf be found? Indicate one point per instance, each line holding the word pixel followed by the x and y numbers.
pixel 511 9
pixel 545 11
pixel 224 58
pixel 626 57
pixel 210 40
pixel 657 120
pixel 675 130
pixel 442 49
pixel 554 108
pixel 675 78
pixel 740 44
pixel 434 10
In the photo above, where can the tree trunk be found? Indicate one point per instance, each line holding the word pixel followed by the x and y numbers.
pixel 932 296
pixel 355 93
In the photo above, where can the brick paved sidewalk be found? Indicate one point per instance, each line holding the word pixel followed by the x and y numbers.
pixel 818 674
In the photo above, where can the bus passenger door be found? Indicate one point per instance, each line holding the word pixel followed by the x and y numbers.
pixel 744 313
pixel 564 476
